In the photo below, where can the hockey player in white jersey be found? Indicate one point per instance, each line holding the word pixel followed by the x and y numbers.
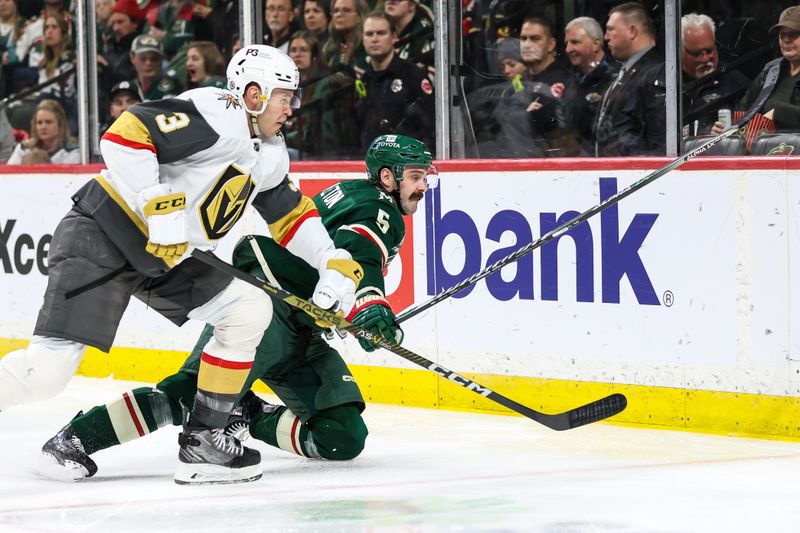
pixel 180 173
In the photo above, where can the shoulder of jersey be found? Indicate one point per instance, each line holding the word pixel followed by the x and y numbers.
pixel 368 196
pixel 222 109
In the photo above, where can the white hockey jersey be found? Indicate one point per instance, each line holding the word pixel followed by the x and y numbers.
pixel 198 144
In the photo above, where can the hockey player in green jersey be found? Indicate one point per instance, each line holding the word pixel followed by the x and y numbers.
pixel 321 417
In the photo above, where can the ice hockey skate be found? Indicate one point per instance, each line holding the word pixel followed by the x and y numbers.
pixel 249 406
pixel 210 456
pixel 64 458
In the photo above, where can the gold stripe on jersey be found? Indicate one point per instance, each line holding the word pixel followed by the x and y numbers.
pixel 129 131
pixel 112 192
pixel 284 228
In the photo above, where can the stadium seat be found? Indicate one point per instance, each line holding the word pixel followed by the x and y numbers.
pixel 777 144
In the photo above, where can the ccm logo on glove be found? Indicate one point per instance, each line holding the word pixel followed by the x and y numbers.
pixel 165 204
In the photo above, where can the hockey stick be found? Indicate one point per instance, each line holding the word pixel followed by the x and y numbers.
pixel 592 211
pixel 580 416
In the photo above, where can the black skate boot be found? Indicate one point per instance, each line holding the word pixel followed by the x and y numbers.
pixel 249 406
pixel 64 458
pixel 209 456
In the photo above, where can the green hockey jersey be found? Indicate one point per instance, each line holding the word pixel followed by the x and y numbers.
pixel 359 217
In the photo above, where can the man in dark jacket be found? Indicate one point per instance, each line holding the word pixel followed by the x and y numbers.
pixel 707 87
pixel 593 71
pixel 550 80
pixel 632 116
pixel 394 96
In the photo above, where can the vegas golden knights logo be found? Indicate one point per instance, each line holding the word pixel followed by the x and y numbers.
pixel 225 202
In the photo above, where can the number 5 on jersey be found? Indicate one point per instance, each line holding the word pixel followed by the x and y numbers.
pixel 383 220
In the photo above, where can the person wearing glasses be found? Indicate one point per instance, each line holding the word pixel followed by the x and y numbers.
pixel 783 104
pixel 707 85
pixel 279 18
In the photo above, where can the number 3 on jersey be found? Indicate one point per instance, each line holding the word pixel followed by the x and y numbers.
pixel 172 123
pixel 383 220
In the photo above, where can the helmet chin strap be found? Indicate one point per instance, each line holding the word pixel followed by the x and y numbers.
pixel 254 114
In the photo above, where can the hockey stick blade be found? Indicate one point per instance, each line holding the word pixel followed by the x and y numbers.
pixel 580 416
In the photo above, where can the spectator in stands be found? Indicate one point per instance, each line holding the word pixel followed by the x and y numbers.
pixel 414 24
pixel 114 59
pixel 59 58
pixel 551 79
pixel 49 131
pixel 123 95
pixel 174 26
pixel 632 116
pixel 396 95
pixel 28 51
pixel 510 59
pixel 593 72
pixel 150 82
pixel 783 104
pixel 7 137
pixel 11 25
pixel 317 17
pixel 707 87
pixel 103 21
pixel 103 12
pixel 236 44
pixel 36 156
pixel 344 45
pixel 324 126
pixel 279 16
pixel 221 23
pixel 205 66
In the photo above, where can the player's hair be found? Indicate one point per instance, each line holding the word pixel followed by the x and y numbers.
pixel 590 26
pixel 635 13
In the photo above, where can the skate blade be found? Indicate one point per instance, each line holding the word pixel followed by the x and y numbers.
pixel 48 467
pixel 205 474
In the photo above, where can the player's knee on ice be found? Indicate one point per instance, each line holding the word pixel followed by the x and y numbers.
pixel 339 432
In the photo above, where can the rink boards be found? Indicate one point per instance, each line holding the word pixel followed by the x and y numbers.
pixel 683 296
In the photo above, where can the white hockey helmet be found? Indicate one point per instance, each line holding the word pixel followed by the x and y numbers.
pixel 266 66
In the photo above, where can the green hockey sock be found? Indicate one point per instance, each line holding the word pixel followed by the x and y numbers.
pixel 135 414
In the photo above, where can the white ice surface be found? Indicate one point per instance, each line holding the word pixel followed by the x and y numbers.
pixel 422 470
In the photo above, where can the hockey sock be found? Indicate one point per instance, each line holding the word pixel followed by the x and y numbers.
pixel 135 414
pixel 219 384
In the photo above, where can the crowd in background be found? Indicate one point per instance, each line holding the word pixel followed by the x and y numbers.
pixel 587 87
